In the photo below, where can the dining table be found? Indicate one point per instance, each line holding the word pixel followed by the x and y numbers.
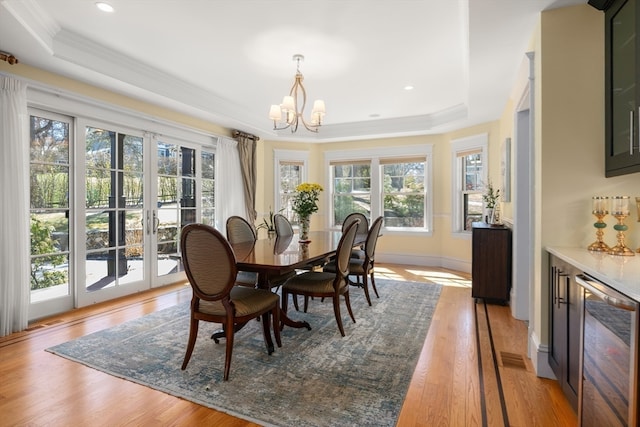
pixel 283 254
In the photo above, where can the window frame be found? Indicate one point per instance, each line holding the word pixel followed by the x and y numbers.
pixel 476 143
pixel 375 156
pixel 287 157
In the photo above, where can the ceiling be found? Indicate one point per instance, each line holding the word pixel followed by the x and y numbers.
pixel 227 61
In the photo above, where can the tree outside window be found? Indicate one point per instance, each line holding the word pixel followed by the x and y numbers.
pixel 404 194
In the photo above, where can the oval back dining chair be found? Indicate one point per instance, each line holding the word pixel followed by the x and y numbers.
pixel 210 265
pixel 282 225
pixel 363 229
pixel 363 268
pixel 324 284
pixel 238 231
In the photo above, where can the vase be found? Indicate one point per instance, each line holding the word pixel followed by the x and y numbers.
pixel 489 217
pixel 304 229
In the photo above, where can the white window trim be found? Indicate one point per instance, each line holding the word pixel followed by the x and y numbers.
pixel 292 156
pixel 374 155
pixel 476 142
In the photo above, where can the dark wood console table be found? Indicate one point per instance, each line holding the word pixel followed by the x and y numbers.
pixel 491 262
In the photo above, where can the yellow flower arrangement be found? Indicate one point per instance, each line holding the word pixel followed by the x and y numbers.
pixel 305 201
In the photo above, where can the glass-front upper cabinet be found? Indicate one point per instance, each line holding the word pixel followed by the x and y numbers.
pixel 622 104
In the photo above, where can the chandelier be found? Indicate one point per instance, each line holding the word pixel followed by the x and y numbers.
pixel 288 115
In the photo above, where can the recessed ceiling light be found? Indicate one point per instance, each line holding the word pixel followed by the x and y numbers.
pixel 105 7
pixel 408 87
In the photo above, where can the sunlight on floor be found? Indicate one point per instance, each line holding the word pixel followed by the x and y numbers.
pixel 442 277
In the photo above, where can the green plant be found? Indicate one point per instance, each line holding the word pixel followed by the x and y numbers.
pixel 491 196
pixel 267 222
pixel 43 272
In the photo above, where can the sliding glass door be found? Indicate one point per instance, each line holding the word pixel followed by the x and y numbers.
pixel 50 213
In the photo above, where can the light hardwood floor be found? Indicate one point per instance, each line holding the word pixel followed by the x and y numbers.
pixel 41 389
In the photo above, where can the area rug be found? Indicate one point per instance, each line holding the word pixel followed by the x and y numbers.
pixel 317 378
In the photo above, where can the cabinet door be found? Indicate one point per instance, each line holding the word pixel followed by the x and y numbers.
pixel 622 114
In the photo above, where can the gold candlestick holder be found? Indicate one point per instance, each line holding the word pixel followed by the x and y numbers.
pixel 620 227
pixel 599 245
pixel 600 210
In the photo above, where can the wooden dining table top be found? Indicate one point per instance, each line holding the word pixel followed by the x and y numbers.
pixel 281 254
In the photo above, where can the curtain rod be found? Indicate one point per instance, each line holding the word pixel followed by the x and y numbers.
pixel 237 133
pixel 5 56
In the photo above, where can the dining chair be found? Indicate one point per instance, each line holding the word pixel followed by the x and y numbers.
pixel 210 265
pixel 363 229
pixel 324 284
pixel 363 268
pixel 282 225
pixel 239 230
pixel 284 229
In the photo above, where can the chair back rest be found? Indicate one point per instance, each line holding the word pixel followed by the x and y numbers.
pixel 363 226
pixel 208 260
pixel 372 238
pixel 283 226
pixel 343 253
pixel 239 230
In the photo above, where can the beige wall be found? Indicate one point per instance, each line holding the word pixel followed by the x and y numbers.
pixel 439 249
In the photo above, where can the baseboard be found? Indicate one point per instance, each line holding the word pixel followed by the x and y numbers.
pixel 425 261
pixel 539 355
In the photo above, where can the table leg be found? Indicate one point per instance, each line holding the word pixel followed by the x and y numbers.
pixel 263 283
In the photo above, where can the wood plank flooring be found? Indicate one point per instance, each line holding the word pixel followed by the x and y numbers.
pixel 447 389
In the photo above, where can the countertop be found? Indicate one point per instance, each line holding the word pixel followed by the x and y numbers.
pixel 621 273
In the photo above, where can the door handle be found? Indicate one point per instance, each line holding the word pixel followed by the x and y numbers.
pixel 156 221
pixel 631 133
pixel 559 299
pixel 148 224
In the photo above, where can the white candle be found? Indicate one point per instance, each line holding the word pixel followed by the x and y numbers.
pixel 620 205
pixel 600 204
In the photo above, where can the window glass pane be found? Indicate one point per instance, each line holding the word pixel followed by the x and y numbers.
pixel 472 209
pixel 49 141
pixel 349 203
pixel 351 190
pixel 290 178
pixel 49 175
pixel 49 186
pixel 472 172
pixel 404 194
pixel 208 165
pixel 404 210
pixel 167 159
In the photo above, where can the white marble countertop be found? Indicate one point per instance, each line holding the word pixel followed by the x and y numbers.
pixel 621 273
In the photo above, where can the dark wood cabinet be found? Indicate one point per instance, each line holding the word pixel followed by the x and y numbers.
pixel 622 88
pixel 564 327
pixel 491 262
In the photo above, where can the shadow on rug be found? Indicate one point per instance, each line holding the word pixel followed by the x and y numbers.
pixel 317 378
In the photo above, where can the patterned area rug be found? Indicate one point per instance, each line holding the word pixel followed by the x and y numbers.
pixel 317 378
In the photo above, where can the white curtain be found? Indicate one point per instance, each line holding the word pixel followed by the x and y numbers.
pixel 229 188
pixel 14 206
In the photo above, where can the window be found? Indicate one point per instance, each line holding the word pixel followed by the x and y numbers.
pixel 351 190
pixel 469 171
pixel 291 167
pixel 389 182
pixel 403 193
